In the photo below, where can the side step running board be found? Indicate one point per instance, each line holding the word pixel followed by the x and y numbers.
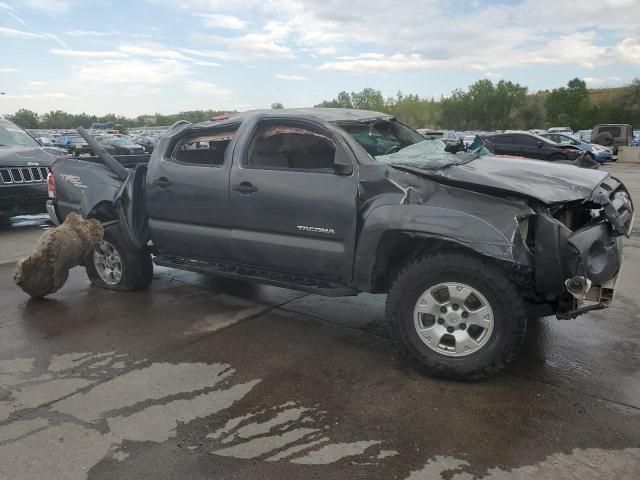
pixel 241 272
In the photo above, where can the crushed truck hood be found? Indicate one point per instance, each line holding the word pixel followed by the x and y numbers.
pixel 544 181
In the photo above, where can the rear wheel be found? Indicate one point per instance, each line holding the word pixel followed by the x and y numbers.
pixel 113 264
pixel 456 316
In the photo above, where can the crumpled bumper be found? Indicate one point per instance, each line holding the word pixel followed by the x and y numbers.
pixel 583 265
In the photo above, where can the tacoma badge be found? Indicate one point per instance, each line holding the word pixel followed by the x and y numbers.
pixel 329 231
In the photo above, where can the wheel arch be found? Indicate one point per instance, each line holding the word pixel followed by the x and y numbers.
pixel 398 248
pixel 104 211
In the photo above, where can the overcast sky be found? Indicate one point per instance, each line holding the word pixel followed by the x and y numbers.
pixel 135 56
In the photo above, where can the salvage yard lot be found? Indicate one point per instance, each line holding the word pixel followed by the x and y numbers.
pixel 205 378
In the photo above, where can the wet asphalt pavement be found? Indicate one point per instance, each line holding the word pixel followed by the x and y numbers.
pixel 202 378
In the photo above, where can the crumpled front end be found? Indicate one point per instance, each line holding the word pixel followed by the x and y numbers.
pixel 578 248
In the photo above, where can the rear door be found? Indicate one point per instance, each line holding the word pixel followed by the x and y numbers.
pixel 187 195
pixel 291 211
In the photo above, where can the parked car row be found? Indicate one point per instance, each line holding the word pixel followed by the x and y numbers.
pixel 600 143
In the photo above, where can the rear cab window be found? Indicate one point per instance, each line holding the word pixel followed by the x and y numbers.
pixel 205 149
pixel 284 146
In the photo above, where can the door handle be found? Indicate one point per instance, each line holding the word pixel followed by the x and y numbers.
pixel 162 182
pixel 245 188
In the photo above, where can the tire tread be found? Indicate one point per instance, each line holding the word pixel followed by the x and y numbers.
pixel 411 274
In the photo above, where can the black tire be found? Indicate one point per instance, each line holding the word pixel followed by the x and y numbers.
pixel 137 267
pixel 557 157
pixel 509 313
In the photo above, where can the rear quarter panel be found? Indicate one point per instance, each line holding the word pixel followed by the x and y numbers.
pixel 81 185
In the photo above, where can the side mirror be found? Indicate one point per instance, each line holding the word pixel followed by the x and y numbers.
pixel 540 144
pixel 342 168
pixel 342 163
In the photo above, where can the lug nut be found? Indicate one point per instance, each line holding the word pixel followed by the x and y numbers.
pixel 450 329
pixel 441 321
pixel 463 326
pixel 455 306
pixel 465 314
pixel 443 309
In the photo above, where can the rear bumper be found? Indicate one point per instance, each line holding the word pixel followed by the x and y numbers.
pixel 53 215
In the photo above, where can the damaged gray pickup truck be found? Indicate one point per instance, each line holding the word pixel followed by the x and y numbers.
pixel 467 246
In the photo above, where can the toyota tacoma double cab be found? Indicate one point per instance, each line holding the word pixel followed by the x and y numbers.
pixel 467 246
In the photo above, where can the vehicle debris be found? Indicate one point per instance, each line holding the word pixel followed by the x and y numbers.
pixel 45 271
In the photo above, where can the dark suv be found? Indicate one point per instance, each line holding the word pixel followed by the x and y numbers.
pixel 24 166
pixel 530 146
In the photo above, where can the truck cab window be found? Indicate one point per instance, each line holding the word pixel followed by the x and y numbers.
pixel 206 150
pixel 295 148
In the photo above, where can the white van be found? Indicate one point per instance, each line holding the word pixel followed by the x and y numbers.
pixel 566 130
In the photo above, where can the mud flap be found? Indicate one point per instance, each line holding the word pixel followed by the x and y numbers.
pixel 131 208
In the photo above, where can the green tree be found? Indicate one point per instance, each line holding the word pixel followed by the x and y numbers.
pixel 368 99
pixel 25 118
pixel 530 114
pixel 569 106
pixel 277 106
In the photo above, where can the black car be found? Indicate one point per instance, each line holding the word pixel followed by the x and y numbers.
pixel 24 166
pixel 147 142
pixel 77 146
pixel 337 202
pixel 121 146
pixel 530 146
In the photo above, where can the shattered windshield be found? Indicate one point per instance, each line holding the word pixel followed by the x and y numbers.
pixel 388 141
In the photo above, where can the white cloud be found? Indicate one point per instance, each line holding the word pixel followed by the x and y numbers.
pixel 398 61
pixel 593 82
pixel 629 49
pixel 35 96
pixel 12 32
pixel 48 6
pixel 265 44
pixel 493 76
pixel 294 78
pixel 36 85
pixel 132 71
pixel 88 53
pixel 216 20
pixel 150 49
pixel 91 33
pixel 9 70
pixel 203 63
pixel 219 54
pixel 206 88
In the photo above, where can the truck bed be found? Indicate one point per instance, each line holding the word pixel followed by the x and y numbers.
pixel 127 161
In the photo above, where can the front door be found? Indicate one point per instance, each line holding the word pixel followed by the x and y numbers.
pixel 291 211
pixel 187 194
pixel 530 147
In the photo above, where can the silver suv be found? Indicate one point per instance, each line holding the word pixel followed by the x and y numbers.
pixel 612 135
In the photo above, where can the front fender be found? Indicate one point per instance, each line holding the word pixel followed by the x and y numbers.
pixel 491 230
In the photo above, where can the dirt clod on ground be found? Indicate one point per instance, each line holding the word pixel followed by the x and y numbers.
pixel 46 270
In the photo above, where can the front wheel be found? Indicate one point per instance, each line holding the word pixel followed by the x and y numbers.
pixel 115 265
pixel 557 157
pixel 456 316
